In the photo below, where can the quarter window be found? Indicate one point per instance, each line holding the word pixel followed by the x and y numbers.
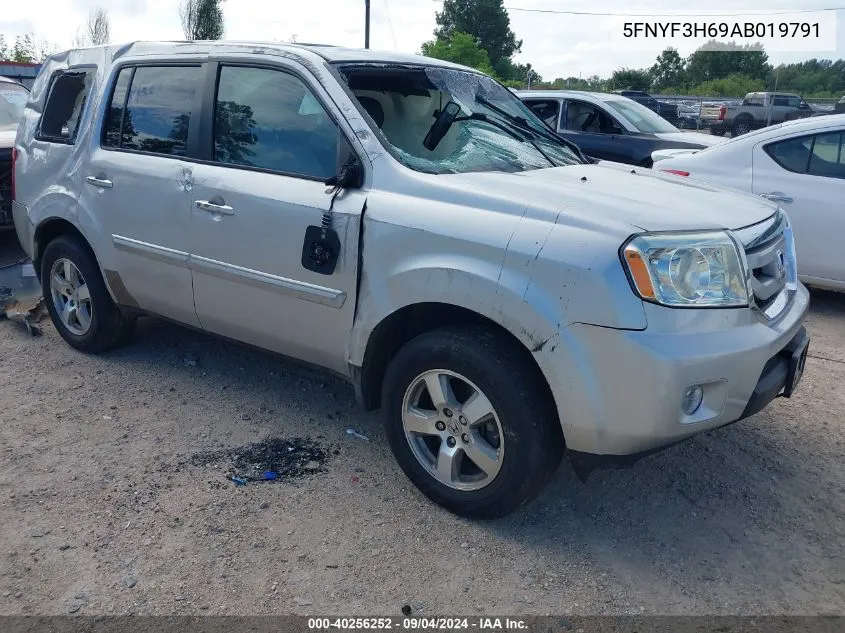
pixel 65 103
pixel 269 119
pixel 150 110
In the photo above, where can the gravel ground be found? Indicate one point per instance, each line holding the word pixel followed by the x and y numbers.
pixel 113 499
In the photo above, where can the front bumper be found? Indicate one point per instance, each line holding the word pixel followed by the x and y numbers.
pixel 619 391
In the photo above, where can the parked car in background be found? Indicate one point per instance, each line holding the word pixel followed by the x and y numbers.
pixel 668 111
pixel 839 106
pixel 688 116
pixel 759 109
pixel 712 117
pixel 799 165
pixel 610 126
pixel 13 98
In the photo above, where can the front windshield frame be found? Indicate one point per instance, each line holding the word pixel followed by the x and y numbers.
pixel 10 113
pixel 655 124
pixel 340 70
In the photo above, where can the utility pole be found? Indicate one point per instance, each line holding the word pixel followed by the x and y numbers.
pixel 366 23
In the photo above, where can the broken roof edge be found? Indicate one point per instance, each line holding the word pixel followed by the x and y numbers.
pixel 305 51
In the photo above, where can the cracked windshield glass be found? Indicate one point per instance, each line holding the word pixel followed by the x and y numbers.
pixel 484 128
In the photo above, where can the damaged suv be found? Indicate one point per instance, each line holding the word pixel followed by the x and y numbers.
pixel 412 226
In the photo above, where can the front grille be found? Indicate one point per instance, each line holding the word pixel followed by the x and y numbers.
pixel 5 190
pixel 768 254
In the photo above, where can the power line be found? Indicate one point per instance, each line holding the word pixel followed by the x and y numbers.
pixel 667 13
pixel 390 24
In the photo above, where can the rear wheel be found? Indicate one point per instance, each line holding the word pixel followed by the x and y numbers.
pixel 741 126
pixel 469 421
pixel 77 299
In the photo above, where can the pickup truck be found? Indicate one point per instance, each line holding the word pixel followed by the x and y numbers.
pixel 414 227
pixel 759 109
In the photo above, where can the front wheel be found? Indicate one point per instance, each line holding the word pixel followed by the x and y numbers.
pixel 470 422
pixel 741 126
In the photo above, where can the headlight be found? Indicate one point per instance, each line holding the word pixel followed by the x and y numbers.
pixel 687 269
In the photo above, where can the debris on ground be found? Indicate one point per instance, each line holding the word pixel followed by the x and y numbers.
pixel 20 295
pixel 273 459
pixel 355 433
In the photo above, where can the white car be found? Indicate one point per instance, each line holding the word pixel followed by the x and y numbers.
pixel 799 165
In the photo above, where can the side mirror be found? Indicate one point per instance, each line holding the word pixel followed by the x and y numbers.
pixel 441 125
pixel 351 176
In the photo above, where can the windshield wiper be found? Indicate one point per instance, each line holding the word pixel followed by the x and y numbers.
pixel 509 129
pixel 523 124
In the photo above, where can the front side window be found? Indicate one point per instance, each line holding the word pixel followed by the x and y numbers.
pixel 269 119
pixel 643 119
pixel 486 126
pixel 151 108
pixel 12 103
pixel 63 109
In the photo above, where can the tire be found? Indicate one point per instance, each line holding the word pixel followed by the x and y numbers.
pixel 741 126
pixel 717 130
pixel 103 325
pixel 525 423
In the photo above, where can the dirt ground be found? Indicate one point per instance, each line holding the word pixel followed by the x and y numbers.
pixel 105 508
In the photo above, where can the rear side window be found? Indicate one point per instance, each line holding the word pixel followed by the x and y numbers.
pixel 65 103
pixel 546 110
pixel 793 154
pixel 150 109
pixel 817 155
pixel 269 119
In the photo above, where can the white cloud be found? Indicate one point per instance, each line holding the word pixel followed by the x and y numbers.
pixel 556 45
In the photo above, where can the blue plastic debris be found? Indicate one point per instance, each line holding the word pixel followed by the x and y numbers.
pixel 239 481
pixel 269 475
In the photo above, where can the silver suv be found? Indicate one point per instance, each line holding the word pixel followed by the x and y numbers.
pixel 412 226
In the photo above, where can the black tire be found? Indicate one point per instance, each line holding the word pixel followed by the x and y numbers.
pixel 505 373
pixel 742 125
pixel 109 327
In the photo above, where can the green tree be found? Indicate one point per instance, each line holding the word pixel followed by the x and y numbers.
pixel 201 19
pixel 668 70
pixel 460 48
pixel 720 60
pixel 630 79
pixel 731 86
pixel 488 23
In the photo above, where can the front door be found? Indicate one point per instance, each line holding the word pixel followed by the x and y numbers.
pixel 136 185
pixel 272 146
pixel 596 132
pixel 806 176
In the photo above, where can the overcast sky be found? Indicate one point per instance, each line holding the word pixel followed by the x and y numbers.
pixel 557 45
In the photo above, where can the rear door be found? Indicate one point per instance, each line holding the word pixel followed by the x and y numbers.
pixel 806 176
pixel 272 138
pixel 137 185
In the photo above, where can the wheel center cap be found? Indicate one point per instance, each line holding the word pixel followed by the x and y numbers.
pixel 454 427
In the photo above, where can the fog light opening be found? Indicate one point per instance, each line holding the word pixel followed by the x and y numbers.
pixel 691 400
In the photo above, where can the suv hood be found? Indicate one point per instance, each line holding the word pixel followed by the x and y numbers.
pixel 609 193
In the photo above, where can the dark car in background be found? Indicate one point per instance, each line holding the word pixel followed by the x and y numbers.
pixel 13 97
pixel 609 126
pixel 667 110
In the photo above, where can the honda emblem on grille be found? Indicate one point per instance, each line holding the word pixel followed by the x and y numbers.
pixel 780 266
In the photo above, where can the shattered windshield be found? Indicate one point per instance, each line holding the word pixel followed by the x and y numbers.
pixel 493 131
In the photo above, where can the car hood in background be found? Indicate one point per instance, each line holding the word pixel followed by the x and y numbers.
pixel 705 140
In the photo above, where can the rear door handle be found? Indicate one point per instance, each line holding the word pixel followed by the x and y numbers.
pixel 215 205
pixel 100 181
pixel 776 196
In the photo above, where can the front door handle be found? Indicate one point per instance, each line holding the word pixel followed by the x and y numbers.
pixel 215 205
pixel 100 180
pixel 776 196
